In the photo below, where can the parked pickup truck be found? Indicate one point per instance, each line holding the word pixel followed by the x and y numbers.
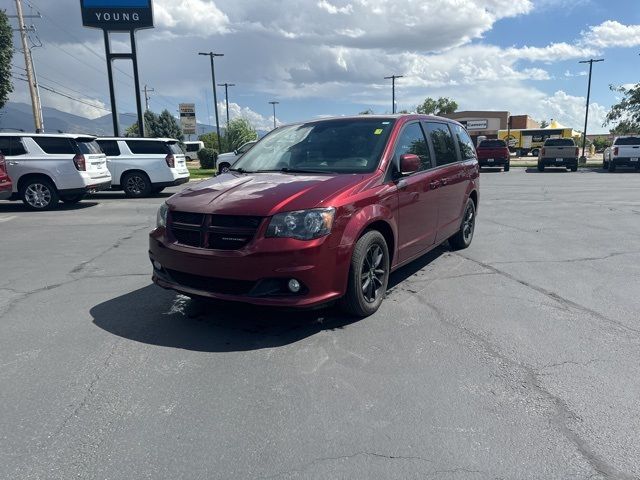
pixel 493 153
pixel 558 152
pixel 625 151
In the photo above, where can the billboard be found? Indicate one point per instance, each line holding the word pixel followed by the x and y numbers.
pixel 117 15
pixel 188 118
pixel 477 124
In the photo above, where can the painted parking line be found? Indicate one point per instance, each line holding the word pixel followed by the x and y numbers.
pixel 6 219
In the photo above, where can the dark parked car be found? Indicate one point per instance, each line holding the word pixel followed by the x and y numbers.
pixel 494 153
pixel 321 211
pixel 6 186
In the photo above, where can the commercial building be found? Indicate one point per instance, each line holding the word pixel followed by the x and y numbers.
pixel 486 124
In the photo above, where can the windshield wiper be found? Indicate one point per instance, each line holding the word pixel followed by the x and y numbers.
pixel 240 170
pixel 299 170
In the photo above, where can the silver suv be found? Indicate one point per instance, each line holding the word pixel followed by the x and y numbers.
pixel 46 168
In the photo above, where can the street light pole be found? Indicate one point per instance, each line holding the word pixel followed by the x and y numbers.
pixel 586 113
pixel 274 113
pixel 226 97
pixel 215 95
pixel 393 91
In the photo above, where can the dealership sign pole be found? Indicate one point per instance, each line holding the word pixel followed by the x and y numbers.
pixel 119 16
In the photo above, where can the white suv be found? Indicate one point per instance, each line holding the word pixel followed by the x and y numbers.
pixel 46 168
pixel 144 166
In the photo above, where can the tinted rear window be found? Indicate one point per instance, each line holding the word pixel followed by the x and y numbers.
pixel 11 146
pixel 191 147
pixel 442 142
pixel 559 142
pixel 493 144
pixel 109 147
pixel 628 141
pixel 56 145
pixel 175 148
pixel 149 147
pixel 90 147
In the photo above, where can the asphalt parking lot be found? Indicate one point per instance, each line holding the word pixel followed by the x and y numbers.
pixel 518 358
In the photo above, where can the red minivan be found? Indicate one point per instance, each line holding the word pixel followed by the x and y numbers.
pixel 5 182
pixel 321 211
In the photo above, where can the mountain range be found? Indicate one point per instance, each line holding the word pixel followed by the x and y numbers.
pixel 18 116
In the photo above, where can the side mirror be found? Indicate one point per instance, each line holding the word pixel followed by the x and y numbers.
pixel 409 163
pixel 235 152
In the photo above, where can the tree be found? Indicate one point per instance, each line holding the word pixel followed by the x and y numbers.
pixel 544 124
pixel 627 111
pixel 625 127
pixel 6 54
pixel 600 143
pixel 239 131
pixel 210 140
pixel 150 121
pixel 167 126
pixel 441 106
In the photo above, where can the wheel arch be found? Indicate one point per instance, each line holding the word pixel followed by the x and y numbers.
pixel 134 170
pixel 30 176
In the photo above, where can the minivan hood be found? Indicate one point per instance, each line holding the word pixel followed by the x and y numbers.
pixel 262 194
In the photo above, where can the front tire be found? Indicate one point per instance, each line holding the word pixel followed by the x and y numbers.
pixel 223 168
pixel 39 194
pixel 574 168
pixel 136 184
pixel 368 275
pixel 462 239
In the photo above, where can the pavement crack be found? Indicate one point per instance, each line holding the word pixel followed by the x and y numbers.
pixel 568 260
pixel 555 296
pixel 562 415
pixel 571 362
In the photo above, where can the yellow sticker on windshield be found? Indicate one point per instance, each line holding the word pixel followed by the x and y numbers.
pixel 377 131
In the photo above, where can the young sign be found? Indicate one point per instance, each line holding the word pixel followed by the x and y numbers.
pixel 117 15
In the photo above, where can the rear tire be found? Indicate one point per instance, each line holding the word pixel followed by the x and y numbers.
pixel 540 167
pixel 612 166
pixel 73 199
pixel 136 184
pixel 39 194
pixel 368 275
pixel 574 168
pixel 462 239
pixel 507 166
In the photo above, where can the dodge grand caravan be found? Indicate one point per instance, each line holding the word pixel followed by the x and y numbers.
pixel 321 211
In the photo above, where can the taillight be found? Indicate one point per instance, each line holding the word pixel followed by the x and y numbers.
pixel 542 151
pixel 615 150
pixel 3 164
pixel 171 160
pixel 80 162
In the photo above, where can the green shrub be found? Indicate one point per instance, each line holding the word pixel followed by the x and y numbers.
pixel 208 157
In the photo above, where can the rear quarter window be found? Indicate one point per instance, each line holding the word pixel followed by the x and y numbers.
pixel 465 144
pixel 175 148
pixel 90 147
pixel 148 147
pixel 109 147
pixel 56 145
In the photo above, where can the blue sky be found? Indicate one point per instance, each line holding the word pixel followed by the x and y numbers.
pixel 329 57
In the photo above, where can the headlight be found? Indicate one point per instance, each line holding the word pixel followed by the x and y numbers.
pixel 161 218
pixel 303 224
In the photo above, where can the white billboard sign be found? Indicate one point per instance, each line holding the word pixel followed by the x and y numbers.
pixel 188 118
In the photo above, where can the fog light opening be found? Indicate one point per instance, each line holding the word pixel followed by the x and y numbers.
pixel 157 265
pixel 294 285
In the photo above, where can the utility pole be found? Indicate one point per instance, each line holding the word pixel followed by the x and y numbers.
pixel 393 91
pixel 146 97
pixel 274 112
pixel 28 63
pixel 226 97
pixel 583 158
pixel 215 95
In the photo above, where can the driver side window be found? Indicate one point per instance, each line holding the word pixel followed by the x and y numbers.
pixel 412 140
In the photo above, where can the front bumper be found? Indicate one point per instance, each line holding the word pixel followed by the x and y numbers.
pixel 257 274
pixel 559 162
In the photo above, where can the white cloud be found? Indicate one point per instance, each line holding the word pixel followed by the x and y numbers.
pixel 258 121
pixel 332 9
pixel 581 73
pixel 612 34
pixel 190 17
pixel 569 110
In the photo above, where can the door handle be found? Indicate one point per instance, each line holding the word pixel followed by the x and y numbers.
pixel 445 181
pixel 12 163
pixel 434 185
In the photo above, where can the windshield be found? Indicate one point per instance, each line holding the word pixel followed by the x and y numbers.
pixel 493 144
pixel 331 146
pixel 628 141
pixel 559 142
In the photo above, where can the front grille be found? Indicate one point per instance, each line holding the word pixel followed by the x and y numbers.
pixel 216 232
pixel 211 284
